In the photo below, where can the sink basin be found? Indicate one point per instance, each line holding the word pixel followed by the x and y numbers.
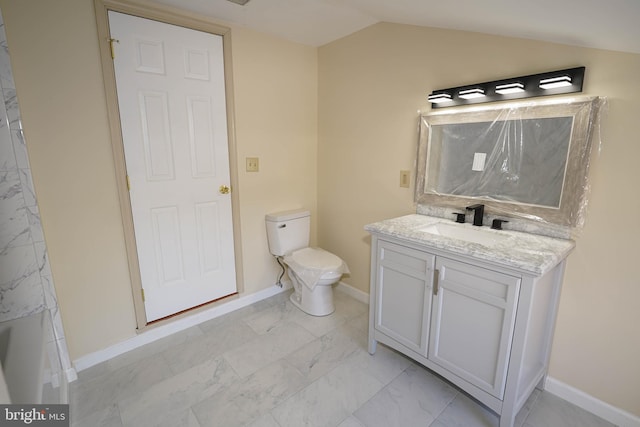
pixel 459 232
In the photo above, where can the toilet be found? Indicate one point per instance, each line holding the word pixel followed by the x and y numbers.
pixel 312 270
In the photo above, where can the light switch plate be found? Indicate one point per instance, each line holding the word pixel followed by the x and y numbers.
pixel 478 161
pixel 405 178
pixel 253 164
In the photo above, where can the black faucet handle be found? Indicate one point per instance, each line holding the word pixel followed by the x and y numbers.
pixel 460 217
pixel 497 224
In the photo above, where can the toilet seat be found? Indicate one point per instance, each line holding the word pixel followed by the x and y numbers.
pixel 318 259
pixel 314 264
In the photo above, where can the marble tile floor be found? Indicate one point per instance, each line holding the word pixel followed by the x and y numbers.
pixel 270 365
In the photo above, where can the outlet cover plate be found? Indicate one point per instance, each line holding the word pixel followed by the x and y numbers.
pixel 253 164
pixel 405 179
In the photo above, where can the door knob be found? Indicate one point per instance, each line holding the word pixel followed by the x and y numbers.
pixel 224 189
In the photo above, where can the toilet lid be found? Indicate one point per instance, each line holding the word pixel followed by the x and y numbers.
pixel 317 258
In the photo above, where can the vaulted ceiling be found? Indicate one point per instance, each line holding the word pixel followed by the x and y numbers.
pixel 604 24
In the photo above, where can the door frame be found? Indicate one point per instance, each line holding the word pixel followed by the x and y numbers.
pixel 180 18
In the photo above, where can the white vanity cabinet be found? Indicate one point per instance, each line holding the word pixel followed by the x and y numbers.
pixel 473 318
pixel 484 327
pixel 403 295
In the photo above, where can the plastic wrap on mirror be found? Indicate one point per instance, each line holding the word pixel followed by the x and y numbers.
pixel 527 159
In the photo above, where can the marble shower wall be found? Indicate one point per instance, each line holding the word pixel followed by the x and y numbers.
pixel 26 283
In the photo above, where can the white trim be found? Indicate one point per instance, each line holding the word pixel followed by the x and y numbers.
pixel 163 331
pixel 71 374
pixel 54 379
pixel 353 292
pixel 589 403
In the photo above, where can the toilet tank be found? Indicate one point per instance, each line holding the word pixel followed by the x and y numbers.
pixel 288 231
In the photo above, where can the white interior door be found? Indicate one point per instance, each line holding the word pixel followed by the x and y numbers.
pixel 171 95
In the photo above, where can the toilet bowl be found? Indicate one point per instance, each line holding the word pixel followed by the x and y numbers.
pixel 312 271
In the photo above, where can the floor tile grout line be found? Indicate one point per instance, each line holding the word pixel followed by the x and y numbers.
pixel 307 385
pixel 449 403
pixel 345 360
pixel 120 413
pixel 533 405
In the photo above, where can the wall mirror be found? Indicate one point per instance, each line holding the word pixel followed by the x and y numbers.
pixel 525 159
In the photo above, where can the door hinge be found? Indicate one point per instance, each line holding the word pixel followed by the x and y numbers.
pixel 128 184
pixel 111 41
pixel 142 291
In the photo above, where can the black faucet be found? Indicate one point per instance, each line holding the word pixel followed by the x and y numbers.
pixel 478 213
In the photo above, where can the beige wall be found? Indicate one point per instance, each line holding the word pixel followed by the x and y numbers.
pixel 372 84
pixel 54 53
pixel 276 92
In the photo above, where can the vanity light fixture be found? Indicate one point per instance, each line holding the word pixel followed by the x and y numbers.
pixel 437 98
pixel 508 88
pixel 473 93
pixel 542 84
pixel 555 82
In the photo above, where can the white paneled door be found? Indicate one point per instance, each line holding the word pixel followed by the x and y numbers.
pixel 171 95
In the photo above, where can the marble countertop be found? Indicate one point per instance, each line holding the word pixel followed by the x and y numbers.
pixel 530 253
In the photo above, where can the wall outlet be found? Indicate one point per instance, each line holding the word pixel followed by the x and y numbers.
pixel 253 164
pixel 405 178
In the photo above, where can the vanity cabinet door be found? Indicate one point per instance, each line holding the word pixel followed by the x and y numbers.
pixel 403 295
pixel 472 323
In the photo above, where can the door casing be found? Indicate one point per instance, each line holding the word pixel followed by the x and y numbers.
pixel 181 18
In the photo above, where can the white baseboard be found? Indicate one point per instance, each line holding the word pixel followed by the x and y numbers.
pixel 353 292
pixel 589 403
pixel 159 332
pixel 71 374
